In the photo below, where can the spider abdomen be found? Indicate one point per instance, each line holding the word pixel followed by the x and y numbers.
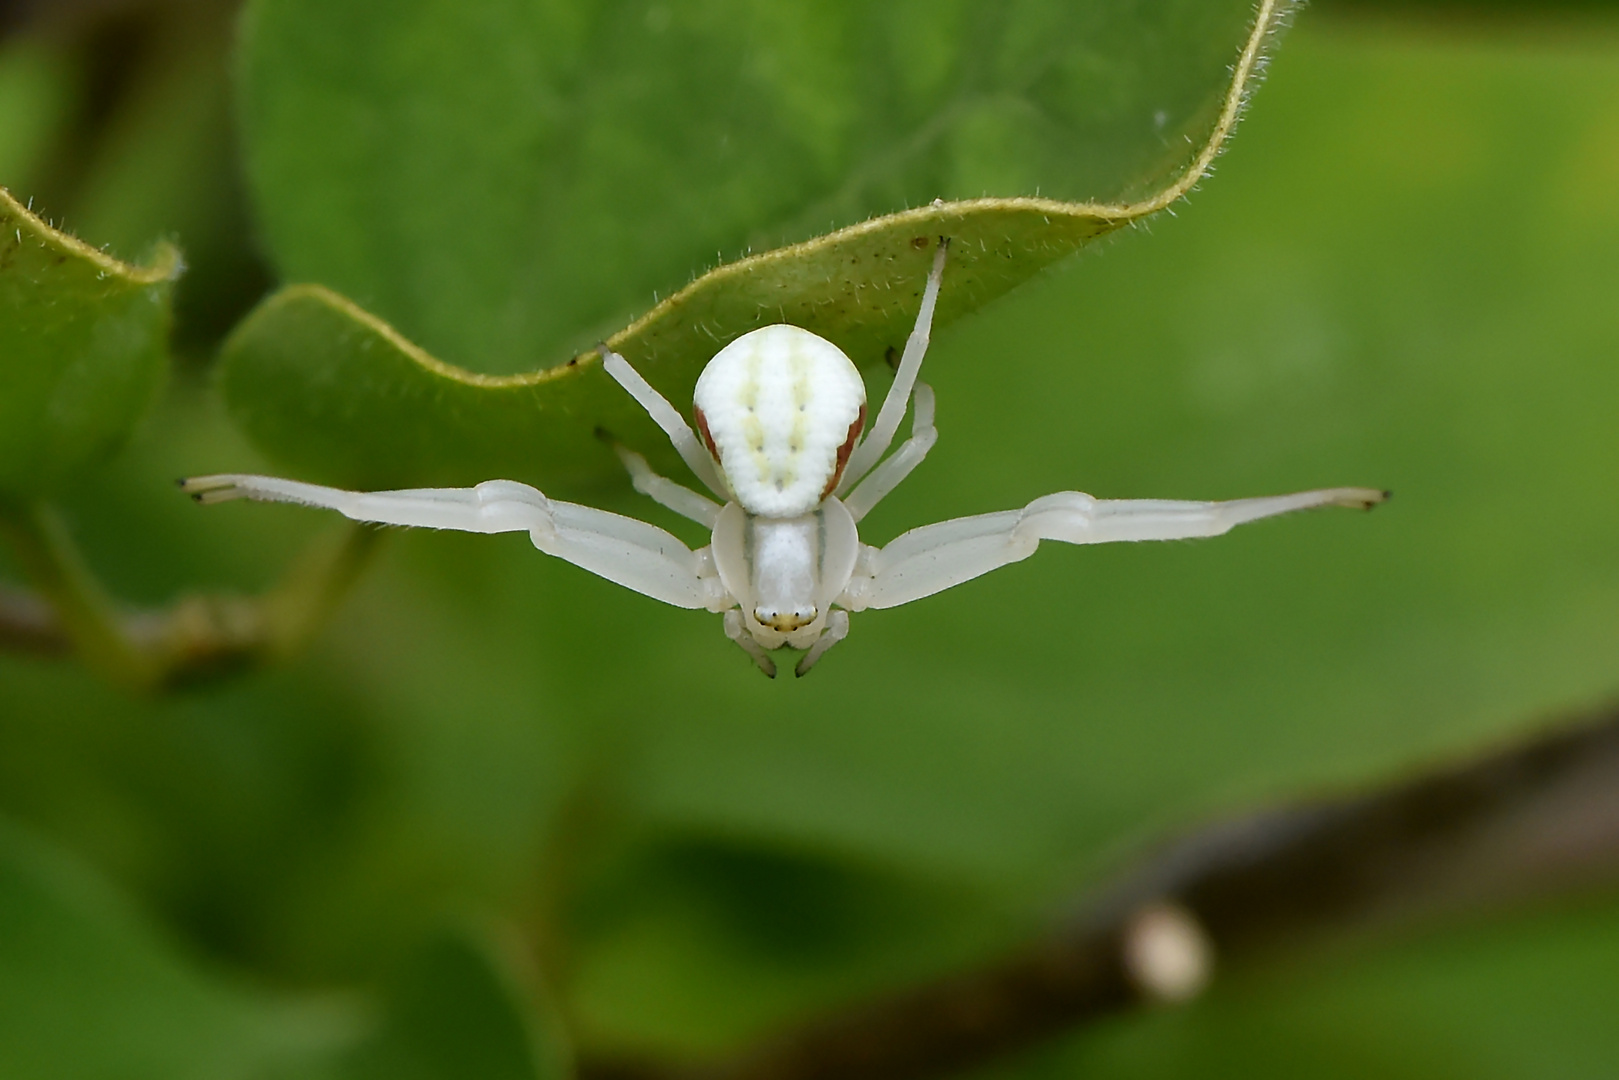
pixel 780 409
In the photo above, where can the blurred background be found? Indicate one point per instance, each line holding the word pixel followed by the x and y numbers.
pixel 1401 274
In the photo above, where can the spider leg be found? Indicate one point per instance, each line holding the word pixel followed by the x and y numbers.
pixel 677 497
pixel 837 628
pixel 935 557
pixel 888 417
pixel 736 629
pixel 692 452
pixel 623 550
pixel 887 476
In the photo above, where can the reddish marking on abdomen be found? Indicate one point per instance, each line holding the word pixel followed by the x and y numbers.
pixel 845 450
pixel 702 429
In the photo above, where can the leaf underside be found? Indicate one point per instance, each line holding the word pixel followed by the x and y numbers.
pixel 335 393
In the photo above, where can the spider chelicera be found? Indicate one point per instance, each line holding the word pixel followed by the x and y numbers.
pixel 779 415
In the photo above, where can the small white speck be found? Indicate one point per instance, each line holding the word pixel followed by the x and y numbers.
pixel 1167 954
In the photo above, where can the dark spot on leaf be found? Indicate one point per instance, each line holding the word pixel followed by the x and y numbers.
pixel 919 242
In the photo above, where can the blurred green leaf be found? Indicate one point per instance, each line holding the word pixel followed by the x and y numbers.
pixel 455 1014
pixel 763 926
pixel 1463 13
pixel 163 162
pixel 630 160
pixel 37 94
pixel 89 992
pixel 82 349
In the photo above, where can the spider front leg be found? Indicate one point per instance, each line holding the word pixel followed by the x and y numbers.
pixel 667 417
pixel 883 428
pixel 837 628
pixel 736 628
pixel 623 550
pixel 665 492
pixel 935 557
pixel 887 476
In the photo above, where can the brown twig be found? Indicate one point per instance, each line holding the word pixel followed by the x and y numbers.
pixel 27 624
pixel 1531 817
pixel 196 638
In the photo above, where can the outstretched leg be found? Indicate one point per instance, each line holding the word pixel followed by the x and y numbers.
pixel 660 489
pixel 495 506
pixel 692 452
pixel 887 476
pixel 935 557
pixel 623 550
pixel 888 417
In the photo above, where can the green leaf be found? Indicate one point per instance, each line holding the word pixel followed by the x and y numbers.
pixel 82 349
pixel 336 393
pixel 603 189
pixel 88 991
pixel 456 1013
pixel 74 958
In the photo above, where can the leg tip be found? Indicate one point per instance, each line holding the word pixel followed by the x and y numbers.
pixel 1362 498
pixel 210 489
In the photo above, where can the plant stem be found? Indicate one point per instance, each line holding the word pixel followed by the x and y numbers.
pixel 196 638
pixel 1535 818
pixel 47 555
pixel 27 624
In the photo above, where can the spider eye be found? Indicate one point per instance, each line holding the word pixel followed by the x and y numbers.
pixel 785 621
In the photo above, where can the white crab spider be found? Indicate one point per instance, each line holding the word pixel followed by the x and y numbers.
pixel 780 411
